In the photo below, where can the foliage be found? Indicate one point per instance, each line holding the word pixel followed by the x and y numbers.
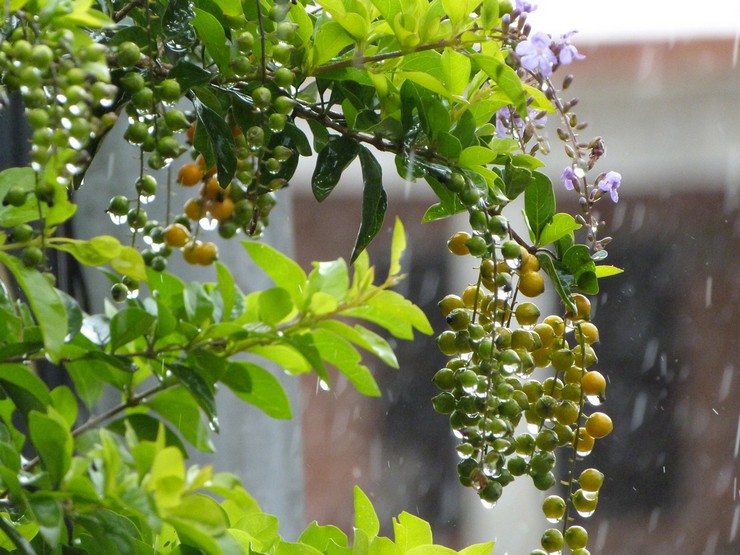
pixel 215 90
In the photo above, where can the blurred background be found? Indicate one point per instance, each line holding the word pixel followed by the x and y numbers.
pixel 661 85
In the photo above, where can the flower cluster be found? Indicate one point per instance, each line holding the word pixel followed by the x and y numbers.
pixel 540 54
pixel 608 182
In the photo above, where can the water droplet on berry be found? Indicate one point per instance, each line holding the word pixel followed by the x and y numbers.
pixel 117 220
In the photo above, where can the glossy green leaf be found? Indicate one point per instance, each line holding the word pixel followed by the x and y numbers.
pixel 331 278
pixel 220 139
pixel 320 536
pixel 128 324
pixel 211 32
pixel 414 530
pixel 27 391
pixel 449 146
pixel 180 408
pixel 48 513
pixel 283 271
pixel 539 203
pixel 201 390
pixel 129 262
pixel 476 156
pixel 366 519
pixel 365 338
pixel 478 549
pixel 448 205
pixel 53 442
pixel 189 75
pixel 332 160
pixel 288 358
pixel 305 344
pixel 516 180
pixel 374 202
pixel 198 304
pixel 47 306
pixel 255 385
pixel 16 539
pixel 562 288
pixel 275 304
pixel 338 352
pixel 561 225
pixel 64 401
pixel 506 79
pixel 456 68
pixel 604 270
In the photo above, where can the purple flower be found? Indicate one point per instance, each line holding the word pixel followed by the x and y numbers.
pixel 525 7
pixel 567 52
pixel 509 122
pixel 610 182
pixel 569 178
pixel 536 55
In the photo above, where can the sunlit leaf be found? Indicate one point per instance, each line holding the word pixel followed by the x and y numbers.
pixel 604 270
pixel 283 271
pixel 561 225
pixel 366 519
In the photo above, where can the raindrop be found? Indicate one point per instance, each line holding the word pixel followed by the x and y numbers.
pixel 117 220
pixel 734 525
pixel 208 224
pixel 324 385
pixel 132 293
pixel 584 452
pixel 726 382
pixel 708 293
pixel 513 263
pixel 487 504
pixel 146 199
pixel 213 423
pixel 638 411
pixel 594 400
pixel 737 438
pixel 585 513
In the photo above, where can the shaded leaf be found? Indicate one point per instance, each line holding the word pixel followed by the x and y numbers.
pixel 539 203
pixel 332 160
pixel 257 386
pixel 128 324
pixel 374 202
pixel 201 390
pixel 220 139
pixel 53 442
pixel 27 391
pixel 178 407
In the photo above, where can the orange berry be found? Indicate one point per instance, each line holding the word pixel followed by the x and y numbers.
pixel 457 245
pixel 202 253
pixel 190 174
pixel 593 383
pixel 191 132
pixel 213 190
pixel 599 425
pixel 202 164
pixel 531 284
pixel 176 235
pixel 221 210
pixel 194 209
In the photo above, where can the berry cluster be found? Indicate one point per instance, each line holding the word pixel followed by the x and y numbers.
pixel 488 388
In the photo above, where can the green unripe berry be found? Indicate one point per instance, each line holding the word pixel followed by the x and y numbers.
pixel 136 133
pixel 16 196
pixel 169 147
pixel 22 50
pixel 552 540
pixel 245 41
pixel 118 206
pixel 498 225
pixel 547 440
pixel 553 508
pixel 119 292
pixel 29 76
pixel 478 220
pixel 510 250
pixel 133 82
pixel 283 77
pixel 32 257
pixel 169 90
pixel 146 185
pixel 143 99
pixel 477 246
pixel 176 120
pixel 457 182
pixel 277 122
pixel 136 218
pixel 576 537
pixel 469 195
pixel 41 56
pixel 158 263
pixel 21 233
pixel 278 12
pixel 444 403
pixel 446 343
pixel 444 379
pixel 492 492
pixel 255 137
pixel 544 482
pixel 459 319
pixel 261 98
pixel 128 54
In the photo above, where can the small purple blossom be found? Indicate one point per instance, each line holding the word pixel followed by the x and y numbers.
pixel 525 7
pixel 569 178
pixel 536 55
pixel 509 121
pixel 567 52
pixel 609 183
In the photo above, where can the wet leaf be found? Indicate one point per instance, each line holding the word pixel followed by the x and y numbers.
pixel 539 203
pixel 220 139
pixel 374 202
pixel 332 160
pixel 257 386
pixel 128 324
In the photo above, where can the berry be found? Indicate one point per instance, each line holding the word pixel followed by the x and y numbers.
pixel 189 174
pixel 21 233
pixel 146 185
pixel 552 540
pixel 586 332
pixel 176 235
pixel 591 480
pixel 32 257
pixel 531 284
pixel 261 98
pixel 553 507
pixel 283 78
pixel 457 244
pixel 128 54
pixel 599 425
pixel 169 90
pixel 593 384
pixel 136 218
pixel 16 196
pixel 119 292
pixel 527 314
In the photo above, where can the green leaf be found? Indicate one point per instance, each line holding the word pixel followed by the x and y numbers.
pixel 562 289
pixel 27 391
pixel 53 442
pixel 398 246
pixel 449 146
pixel 338 352
pixel 456 68
pixel 478 549
pixel 17 540
pixel 129 262
pixel 275 305
pixel 64 401
pixel 516 180
pixel 283 271
pixel 201 390
pixel 48 307
pixel 366 519
pixel 561 225
pixel 374 202
pixel 363 337
pixel 286 548
pixel 257 386
pixel 180 408
pixel 331 162
pixel 220 138
pixel 395 313
pixel 198 304
pixel 211 32
pixel 98 250
pixel 604 270
pixel 448 205
pixel 289 358
pixel 539 203
pixel 416 531
pixel 476 156
pixel 128 324
pixel 189 75
pixel 431 550
pixel 321 536
pixel 48 513
pixel 331 278
pixel 506 79
pixel 147 428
